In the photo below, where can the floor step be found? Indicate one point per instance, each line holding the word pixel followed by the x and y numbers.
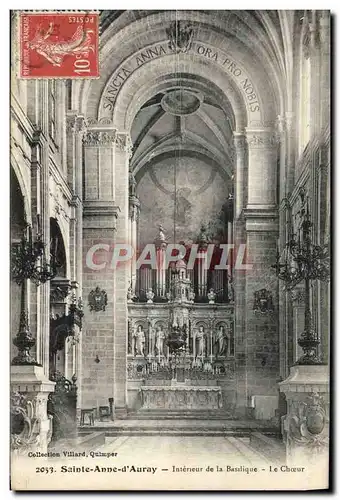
pixel 176 432
pixel 271 447
pixel 86 440
pixel 243 446
pixel 179 414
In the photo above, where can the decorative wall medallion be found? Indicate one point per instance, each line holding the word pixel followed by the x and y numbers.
pixel 307 423
pixel 25 427
pixel 263 302
pixel 181 102
pixel 97 299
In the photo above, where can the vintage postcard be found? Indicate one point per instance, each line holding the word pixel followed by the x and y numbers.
pixel 170 249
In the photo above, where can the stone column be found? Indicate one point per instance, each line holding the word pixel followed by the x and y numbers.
pixel 44 289
pixel 239 274
pixel 99 225
pixel 261 342
pixel 241 171
pixel 306 425
pixel 134 205
pixel 75 128
pixel 325 73
pixel 262 168
pixel 315 66
pixel 121 167
pixel 161 245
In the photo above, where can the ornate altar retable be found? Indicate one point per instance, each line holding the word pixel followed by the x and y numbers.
pixel 177 397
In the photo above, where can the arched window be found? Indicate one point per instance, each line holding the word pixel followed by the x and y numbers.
pixel 58 247
pixel 305 84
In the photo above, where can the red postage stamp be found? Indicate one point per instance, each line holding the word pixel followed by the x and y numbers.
pixel 59 45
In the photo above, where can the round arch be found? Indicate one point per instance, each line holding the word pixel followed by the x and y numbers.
pixel 256 67
pixel 16 170
pixel 60 250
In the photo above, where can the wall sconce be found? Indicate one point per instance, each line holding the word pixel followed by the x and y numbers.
pixel 96 359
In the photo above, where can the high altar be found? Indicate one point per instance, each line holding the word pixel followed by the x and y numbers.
pixel 200 375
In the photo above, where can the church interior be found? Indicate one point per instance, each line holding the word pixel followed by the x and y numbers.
pixel 170 232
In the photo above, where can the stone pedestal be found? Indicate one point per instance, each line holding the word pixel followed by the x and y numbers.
pixel 306 425
pixel 31 426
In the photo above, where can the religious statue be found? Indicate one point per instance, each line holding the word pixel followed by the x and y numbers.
pixel 161 235
pixel 211 296
pixel 191 296
pixel 139 341
pixel 200 340
pixel 132 184
pixel 160 337
pixel 222 342
pixel 130 295
pixel 150 295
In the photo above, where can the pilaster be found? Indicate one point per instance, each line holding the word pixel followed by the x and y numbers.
pixel 105 224
pixel 75 129
pixel 261 227
pixel 241 172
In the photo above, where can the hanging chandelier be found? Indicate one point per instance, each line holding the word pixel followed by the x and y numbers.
pixel 302 261
pixel 28 259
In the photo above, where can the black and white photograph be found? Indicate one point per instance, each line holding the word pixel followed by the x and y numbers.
pixel 170 249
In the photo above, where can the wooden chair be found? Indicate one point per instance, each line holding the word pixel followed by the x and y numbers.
pixel 89 413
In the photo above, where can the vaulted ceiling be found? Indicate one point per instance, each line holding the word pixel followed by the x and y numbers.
pixel 183 121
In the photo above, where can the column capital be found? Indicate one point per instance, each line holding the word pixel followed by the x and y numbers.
pixel 124 143
pixel 261 138
pixel 239 141
pixel 99 138
pixel 75 123
pixel 104 135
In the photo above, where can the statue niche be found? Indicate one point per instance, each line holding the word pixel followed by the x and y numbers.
pixel 160 337
pixel 223 343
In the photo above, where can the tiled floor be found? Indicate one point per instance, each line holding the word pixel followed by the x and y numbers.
pixel 186 449
pixel 230 424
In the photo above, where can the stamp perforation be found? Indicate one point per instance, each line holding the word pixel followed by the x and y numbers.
pixel 74 56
